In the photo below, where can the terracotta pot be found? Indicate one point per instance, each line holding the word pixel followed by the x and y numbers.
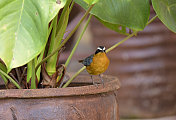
pixel 146 66
pixel 84 102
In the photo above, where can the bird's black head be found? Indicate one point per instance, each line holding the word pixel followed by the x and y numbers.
pixel 100 49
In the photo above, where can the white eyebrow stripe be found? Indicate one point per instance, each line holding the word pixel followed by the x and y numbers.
pixel 99 48
pixel 104 48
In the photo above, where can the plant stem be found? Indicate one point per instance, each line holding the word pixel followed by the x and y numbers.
pixel 50 28
pixel 5 79
pixel 152 19
pixel 22 75
pixel 55 42
pixel 77 43
pixel 70 80
pixel 122 41
pixel 129 36
pixel 72 4
pixel 63 43
pixel 3 68
pixel 42 53
pixel 18 74
pixel 39 60
pixel 108 50
pixel 12 80
pixel 50 66
pixel 63 14
pixel 33 84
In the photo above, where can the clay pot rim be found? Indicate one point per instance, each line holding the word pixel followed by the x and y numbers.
pixel 111 83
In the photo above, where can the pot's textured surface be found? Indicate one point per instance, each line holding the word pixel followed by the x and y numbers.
pixel 88 102
pixel 146 67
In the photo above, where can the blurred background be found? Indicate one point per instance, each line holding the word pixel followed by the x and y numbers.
pixel 145 66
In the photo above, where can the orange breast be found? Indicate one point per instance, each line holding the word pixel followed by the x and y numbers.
pixel 99 65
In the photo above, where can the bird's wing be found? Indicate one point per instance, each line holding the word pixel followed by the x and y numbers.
pixel 88 60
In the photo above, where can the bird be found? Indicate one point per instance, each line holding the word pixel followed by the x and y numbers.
pixel 97 63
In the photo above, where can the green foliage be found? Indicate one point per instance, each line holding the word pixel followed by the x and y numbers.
pixel 118 28
pixel 24 27
pixel 8 77
pixel 90 2
pixel 54 7
pixel 33 78
pixel 166 11
pixel 56 41
pixel 51 63
pixel 133 14
pixel 4 69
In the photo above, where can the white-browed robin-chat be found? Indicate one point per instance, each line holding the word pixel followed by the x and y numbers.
pixel 97 63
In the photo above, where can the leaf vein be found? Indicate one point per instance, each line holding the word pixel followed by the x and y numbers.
pixel 19 23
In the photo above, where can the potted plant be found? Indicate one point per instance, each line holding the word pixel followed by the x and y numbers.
pixel 34 39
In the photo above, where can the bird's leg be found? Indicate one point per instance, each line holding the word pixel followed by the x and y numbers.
pixel 93 81
pixel 102 81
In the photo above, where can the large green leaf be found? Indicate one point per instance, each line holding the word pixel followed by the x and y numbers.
pixel 166 11
pixel 118 28
pixel 55 7
pixel 133 14
pixel 90 2
pixel 24 27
